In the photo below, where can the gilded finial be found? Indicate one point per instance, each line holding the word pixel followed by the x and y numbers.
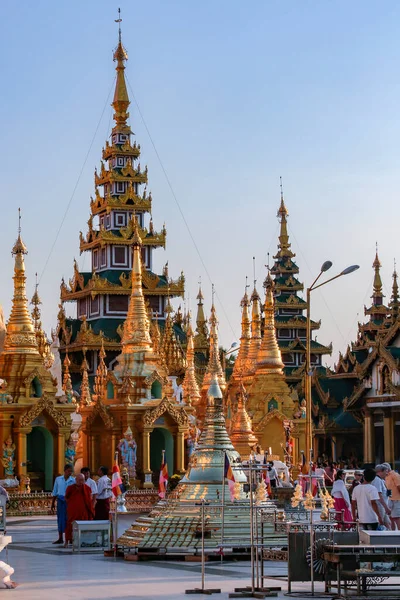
pixel 269 355
pixel 377 277
pixel 119 21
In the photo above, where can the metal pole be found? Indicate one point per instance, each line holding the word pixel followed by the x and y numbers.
pixel 203 562
pixel 251 527
pixel 307 382
pixel 223 505
pixel 115 516
pixel 311 530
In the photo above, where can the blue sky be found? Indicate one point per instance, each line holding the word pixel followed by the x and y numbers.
pixel 234 95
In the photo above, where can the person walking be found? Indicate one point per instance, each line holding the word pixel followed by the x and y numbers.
pixel 79 505
pixel 364 503
pixel 392 481
pixel 104 493
pixel 342 499
pixel 60 486
pixel 90 483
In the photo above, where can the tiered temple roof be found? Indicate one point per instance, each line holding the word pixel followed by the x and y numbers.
pixel 119 208
pixel 290 322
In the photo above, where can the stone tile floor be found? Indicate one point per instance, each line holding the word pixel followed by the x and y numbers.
pixel 46 572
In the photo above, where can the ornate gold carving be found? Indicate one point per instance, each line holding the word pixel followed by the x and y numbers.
pixel 166 406
pixel 47 405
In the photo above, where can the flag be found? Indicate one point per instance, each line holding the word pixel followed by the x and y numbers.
pixel 116 482
pixel 163 481
pixel 228 474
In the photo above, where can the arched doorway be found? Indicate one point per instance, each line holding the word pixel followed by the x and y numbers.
pixel 40 454
pixel 161 439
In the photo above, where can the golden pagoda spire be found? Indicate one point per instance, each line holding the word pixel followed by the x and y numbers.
pixel 214 366
pixel 100 379
pixel 377 279
pixel 269 355
pixel 394 301
pixel 242 434
pixel 86 398
pixel 242 360
pixel 255 341
pixel 136 336
pixel 121 99
pixel 283 213
pixel 67 383
pixel 191 392
pixel 200 340
pixel 41 339
pixel 20 333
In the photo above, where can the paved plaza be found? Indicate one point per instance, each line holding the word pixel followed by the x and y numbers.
pixel 45 572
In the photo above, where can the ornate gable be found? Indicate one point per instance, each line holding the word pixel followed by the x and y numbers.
pixel 166 406
pixel 44 404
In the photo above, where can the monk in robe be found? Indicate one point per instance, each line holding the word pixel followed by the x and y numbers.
pixel 79 505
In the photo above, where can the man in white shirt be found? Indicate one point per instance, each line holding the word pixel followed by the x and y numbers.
pixel 90 483
pixel 365 501
pixel 104 493
pixel 60 485
pixel 383 506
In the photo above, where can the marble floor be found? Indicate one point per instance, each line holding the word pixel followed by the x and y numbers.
pixel 45 572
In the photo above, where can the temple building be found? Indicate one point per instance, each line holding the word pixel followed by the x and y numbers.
pixel 356 408
pixel 35 424
pixel 102 293
pixel 133 406
pixel 290 322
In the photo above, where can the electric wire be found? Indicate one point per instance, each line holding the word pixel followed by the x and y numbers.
pixel 178 205
pixel 76 185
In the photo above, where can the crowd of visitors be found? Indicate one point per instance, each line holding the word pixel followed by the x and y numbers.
pixel 373 498
pixel 80 498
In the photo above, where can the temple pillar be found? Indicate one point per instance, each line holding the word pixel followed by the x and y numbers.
pixel 20 443
pixel 92 446
pixel 388 436
pixel 146 459
pixel 180 451
pixel 114 443
pixel 61 450
pixel 369 447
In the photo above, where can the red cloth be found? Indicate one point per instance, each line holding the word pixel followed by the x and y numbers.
pixel 79 506
pixel 102 509
pixel 340 505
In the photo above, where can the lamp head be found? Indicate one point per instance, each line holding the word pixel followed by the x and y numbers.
pixel 350 269
pixel 326 266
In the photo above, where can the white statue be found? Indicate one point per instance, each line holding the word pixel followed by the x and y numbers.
pixel 56 367
pixel 6 570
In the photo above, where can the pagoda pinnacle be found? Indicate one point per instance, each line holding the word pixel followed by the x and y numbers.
pixel 100 379
pixel 200 340
pixel 242 434
pixel 136 336
pixel 394 301
pixel 377 279
pixel 255 341
pixel 214 366
pixel 191 392
pixel 269 356
pixel 86 399
pixel 121 99
pixel 241 362
pixel 20 334
pixel 284 245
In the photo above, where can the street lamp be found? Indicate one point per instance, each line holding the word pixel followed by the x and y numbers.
pixel 308 373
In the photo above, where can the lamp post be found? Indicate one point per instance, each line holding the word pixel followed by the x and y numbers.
pixel 308 373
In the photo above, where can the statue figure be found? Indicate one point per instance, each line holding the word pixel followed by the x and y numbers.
pixel 70 451
pixel 128 447
pixel 56 367
pixel 303 408
pixel 8 457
